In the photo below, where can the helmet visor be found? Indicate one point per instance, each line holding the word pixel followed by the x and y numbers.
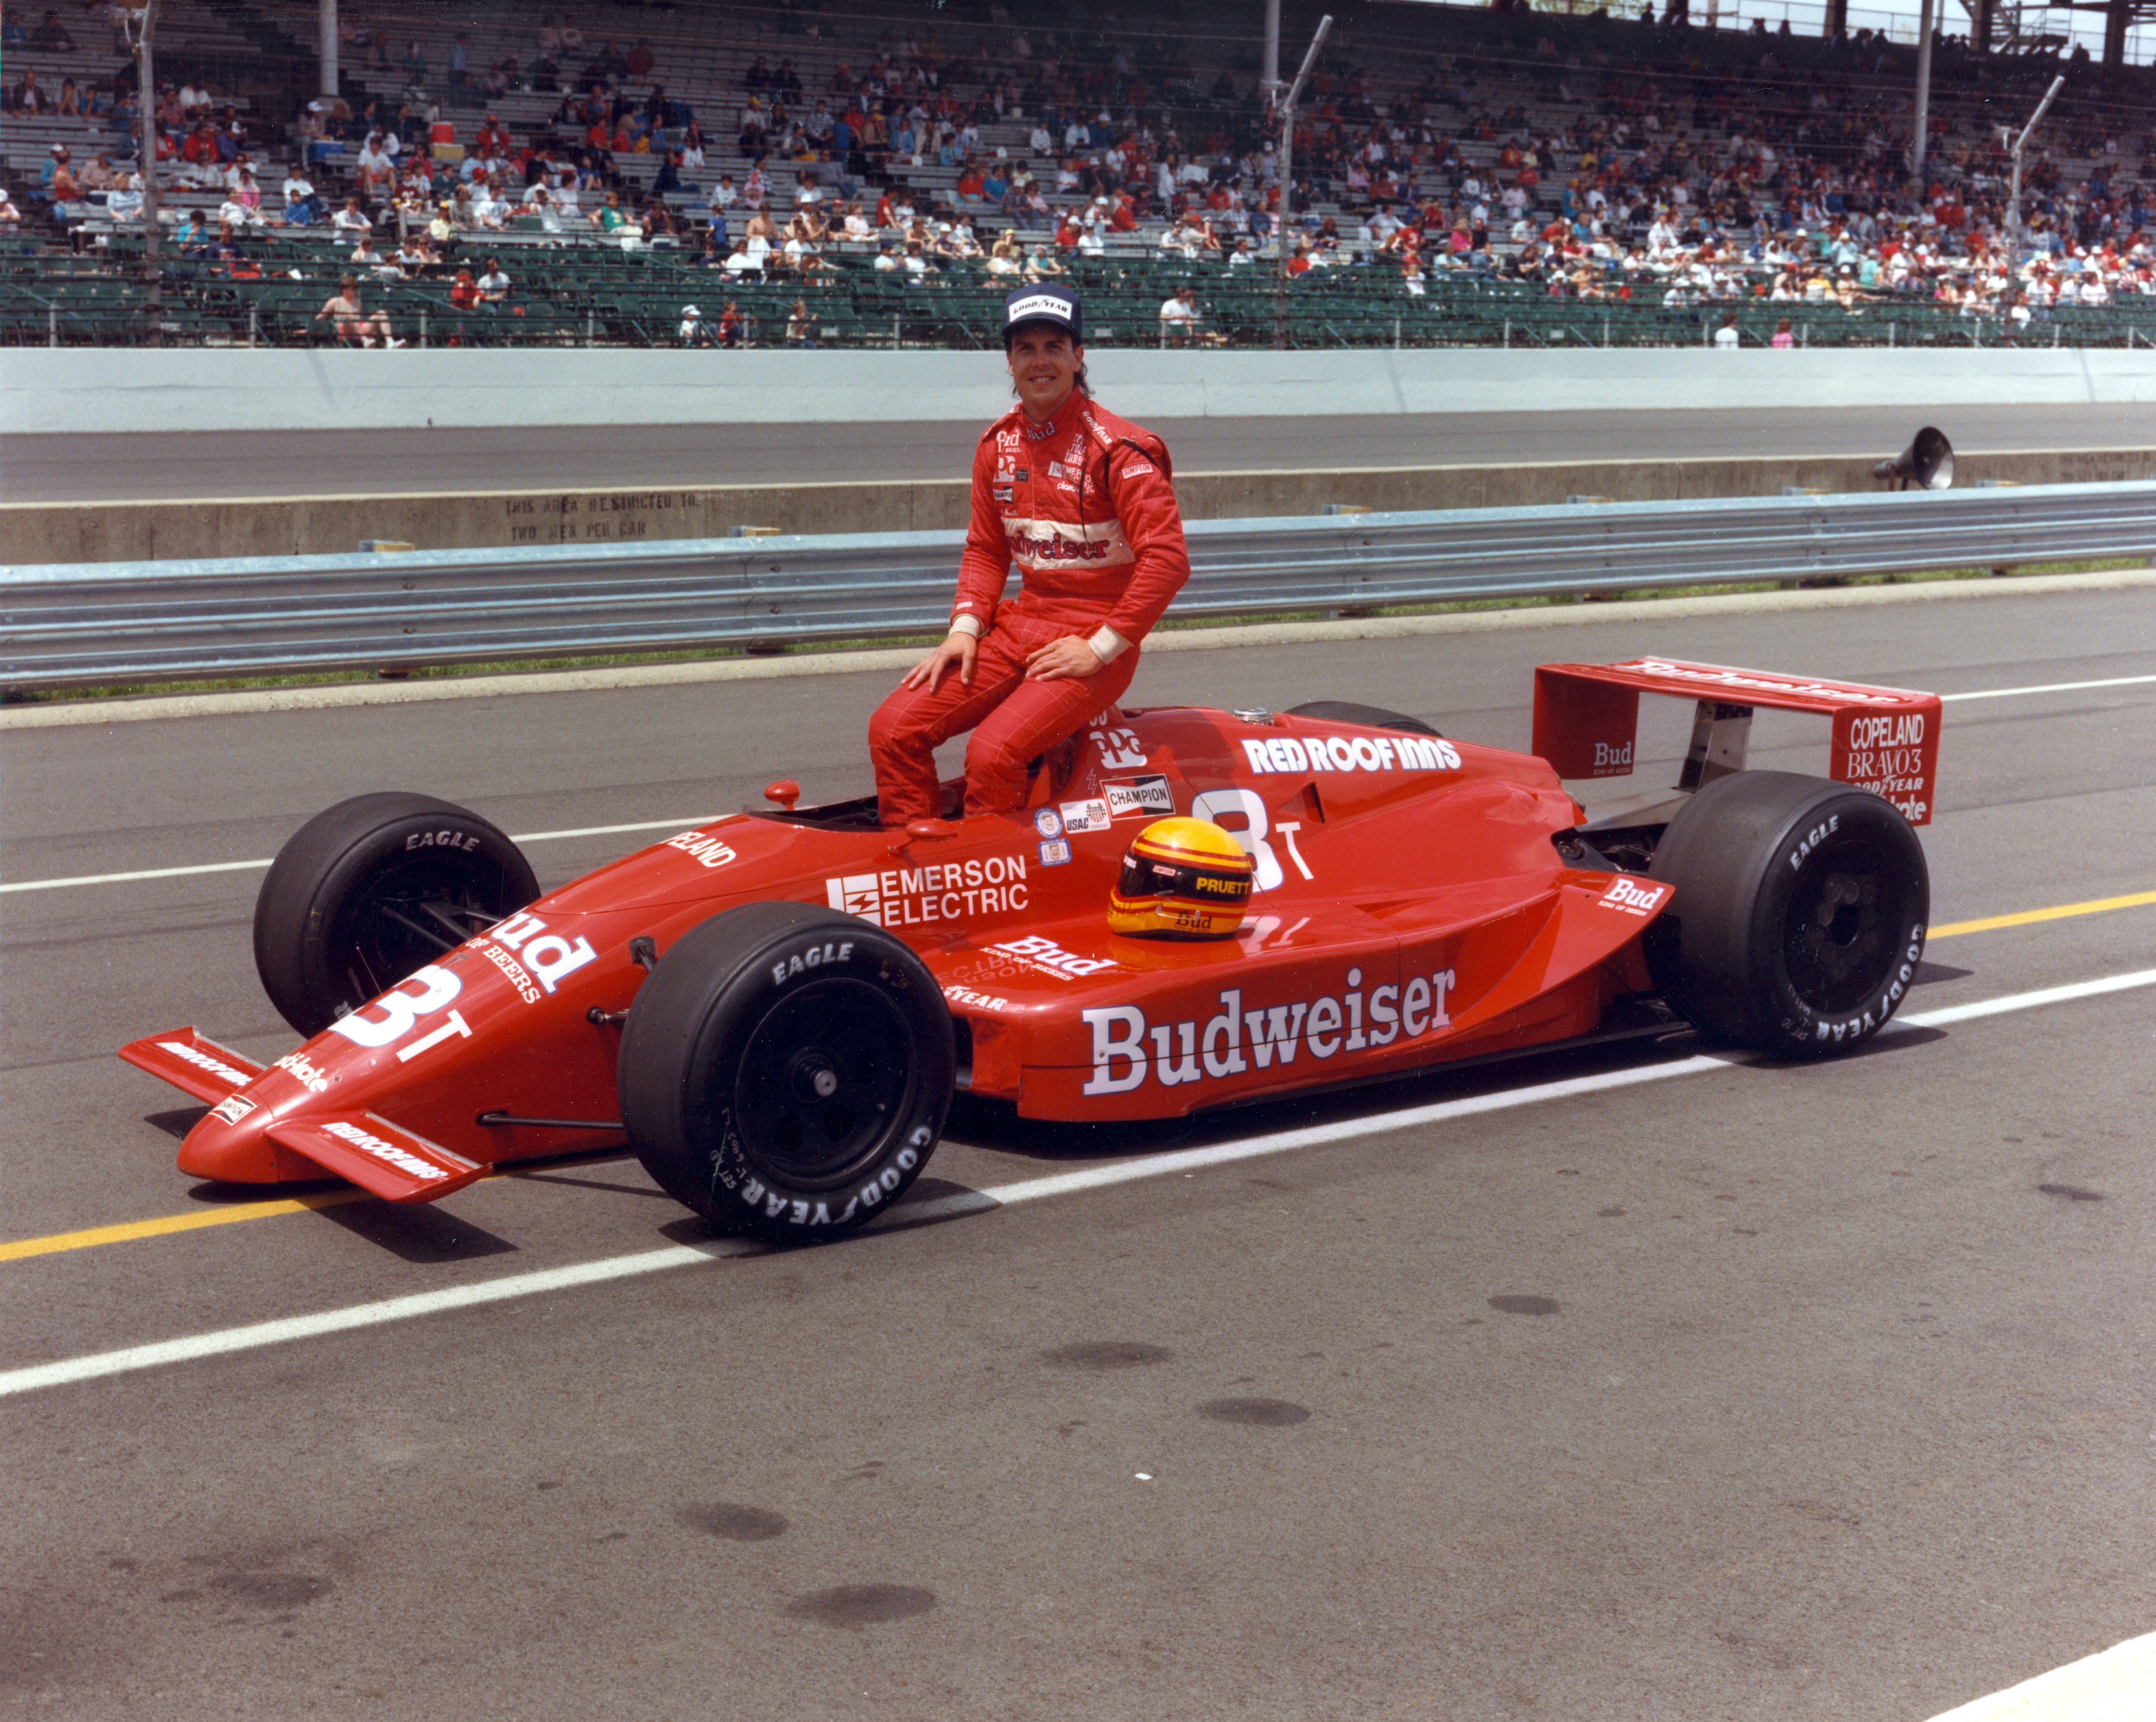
pixel 1143 879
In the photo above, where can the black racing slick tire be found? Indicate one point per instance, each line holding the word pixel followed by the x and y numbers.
pixel 372 888
pixel 1799 915
pixel 786 1071
pixel 1343 711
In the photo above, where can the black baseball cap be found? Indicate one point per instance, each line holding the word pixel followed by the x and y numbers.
pixel 1044 305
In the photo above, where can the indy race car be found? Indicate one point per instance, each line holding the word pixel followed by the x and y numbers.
pixel 1194 909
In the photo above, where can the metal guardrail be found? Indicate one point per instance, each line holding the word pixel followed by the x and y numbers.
pixel 81 624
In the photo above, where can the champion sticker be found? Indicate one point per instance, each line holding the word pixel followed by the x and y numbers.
pixel 1139 795
pixel 232 1109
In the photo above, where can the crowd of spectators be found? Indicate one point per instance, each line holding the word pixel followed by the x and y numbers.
pixel 1605 159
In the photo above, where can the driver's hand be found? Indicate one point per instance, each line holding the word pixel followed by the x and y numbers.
pixel 1069 659
pixel 956 652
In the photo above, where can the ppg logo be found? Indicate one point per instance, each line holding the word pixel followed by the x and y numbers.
pixel 1605 755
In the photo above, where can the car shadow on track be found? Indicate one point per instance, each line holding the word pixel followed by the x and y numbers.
pixel 997 1127
pixel 424 1235
pixel 427 1235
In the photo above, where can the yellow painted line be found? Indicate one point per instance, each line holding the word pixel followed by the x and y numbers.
pixel 133 1229
pixel 128 1233
pixel 2028 917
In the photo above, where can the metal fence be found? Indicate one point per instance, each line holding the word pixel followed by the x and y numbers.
pixel 94 623
pixel 595 296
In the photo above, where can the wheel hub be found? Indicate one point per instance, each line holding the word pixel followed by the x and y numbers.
pixel 813 1077
pixel 818 1080
pixel 1839 935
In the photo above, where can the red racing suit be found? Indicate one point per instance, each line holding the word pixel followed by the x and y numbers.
pixel 1083 506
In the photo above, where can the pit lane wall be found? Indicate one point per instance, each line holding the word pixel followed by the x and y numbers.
pixel 303 525
pixel 47 389
pixel 68 391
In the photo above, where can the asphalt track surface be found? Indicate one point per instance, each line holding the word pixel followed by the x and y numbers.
pixel 1836 1405
pixel 236 463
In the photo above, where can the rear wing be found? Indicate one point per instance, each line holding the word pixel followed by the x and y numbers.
pixel 1884 739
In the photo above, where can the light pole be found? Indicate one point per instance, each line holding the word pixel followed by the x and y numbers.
pixel 1269 87
pixel 139 21
pixel 2014 199
pixel 1287 185
pixel 1923 95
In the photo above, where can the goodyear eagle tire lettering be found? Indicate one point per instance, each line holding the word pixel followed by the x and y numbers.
pixel 786 1071
pixel 1798 925
pixel 369 890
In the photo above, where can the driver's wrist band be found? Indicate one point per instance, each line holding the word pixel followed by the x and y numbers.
pixel 968 625
pixel 1108 644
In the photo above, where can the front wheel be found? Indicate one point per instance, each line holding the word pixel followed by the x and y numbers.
pixel 786 1070
pixel 1799 914
pixel 372 889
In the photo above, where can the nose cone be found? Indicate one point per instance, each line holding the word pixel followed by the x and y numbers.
pixel 232 1145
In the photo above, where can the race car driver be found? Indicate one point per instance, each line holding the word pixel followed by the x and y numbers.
pixel 1081 501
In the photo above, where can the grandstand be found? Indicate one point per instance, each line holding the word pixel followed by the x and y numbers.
pixel 1465 177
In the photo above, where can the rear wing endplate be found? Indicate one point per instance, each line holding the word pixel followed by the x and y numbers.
pixel 1884 739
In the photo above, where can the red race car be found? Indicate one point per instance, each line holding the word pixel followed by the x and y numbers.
pixel 773 1011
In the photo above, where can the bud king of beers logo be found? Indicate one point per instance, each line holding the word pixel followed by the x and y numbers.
pixel 1139 795
pixel 1631 897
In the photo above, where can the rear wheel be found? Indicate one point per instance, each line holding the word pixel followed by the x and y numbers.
pixel 1799 915
pixel 1342 711
pixel 372 889
pixel 786 1070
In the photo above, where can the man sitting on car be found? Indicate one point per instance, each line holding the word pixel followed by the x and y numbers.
pixel 1082 502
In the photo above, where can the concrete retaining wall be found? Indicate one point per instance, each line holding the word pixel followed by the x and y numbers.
pixel 145 531
pixel 47 391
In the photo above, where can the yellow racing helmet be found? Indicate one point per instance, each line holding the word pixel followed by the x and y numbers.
pixel 1182 878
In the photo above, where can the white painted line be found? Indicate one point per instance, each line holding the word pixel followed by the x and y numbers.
pixel 300 1327
pixel 1153 1166
pixel 541 837
pixel 529 837
pixel 1192 1160
pixel 2030 1001
pixel 2115 681
pixel 690 823
pixel 2114 1685
pixel 337 695
pixel 116 879
pixel 331 1321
